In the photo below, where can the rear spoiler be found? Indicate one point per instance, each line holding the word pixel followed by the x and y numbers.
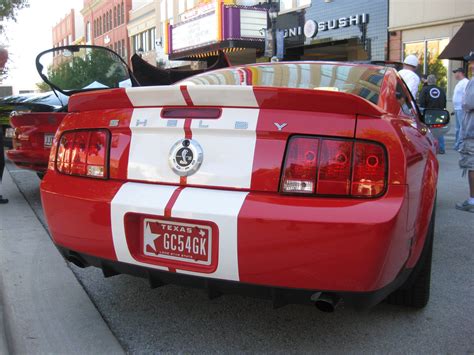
pixel 225 96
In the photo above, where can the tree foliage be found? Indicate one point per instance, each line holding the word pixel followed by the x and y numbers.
pixel 85 68
pixel 9 8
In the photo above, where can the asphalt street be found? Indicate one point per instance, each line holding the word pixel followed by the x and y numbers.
pixel 175 319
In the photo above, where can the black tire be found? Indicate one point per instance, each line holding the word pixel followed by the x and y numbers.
pixel 415 292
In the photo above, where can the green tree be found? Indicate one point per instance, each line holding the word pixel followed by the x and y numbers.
pixel 9 8
pixel 84 68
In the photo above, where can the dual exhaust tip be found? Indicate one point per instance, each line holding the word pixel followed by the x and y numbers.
pixel 325 302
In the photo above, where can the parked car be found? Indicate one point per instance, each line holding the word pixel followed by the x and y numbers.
pixel 34 124
pixel 37 117
pixel 306 182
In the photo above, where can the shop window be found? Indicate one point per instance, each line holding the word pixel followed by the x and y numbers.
pixel 88 32
pixel 104 24
pixel 288 5
pixel 428 52
pixel 123 49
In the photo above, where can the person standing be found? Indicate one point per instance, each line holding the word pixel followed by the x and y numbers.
pixel 432 96
pixel 408 74
pixel 466 161
pixel 2 166
pixel 458 96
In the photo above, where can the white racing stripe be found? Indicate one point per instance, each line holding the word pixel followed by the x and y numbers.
pixel 222 95
pixel 156 96
pixel 152 139
pixel 228 145
pixel 139 198
pixel 220 207
pixel 228 151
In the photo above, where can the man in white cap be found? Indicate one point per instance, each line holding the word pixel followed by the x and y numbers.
pixel 466 162
pixel 408 74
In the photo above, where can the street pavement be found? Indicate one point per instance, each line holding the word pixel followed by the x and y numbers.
pixel 43 308
pixel 176 319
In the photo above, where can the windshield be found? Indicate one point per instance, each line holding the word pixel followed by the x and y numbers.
pixel 76 68
pixel 360 80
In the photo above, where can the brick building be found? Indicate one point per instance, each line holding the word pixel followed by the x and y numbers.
pixel 68 30
pixel 105 23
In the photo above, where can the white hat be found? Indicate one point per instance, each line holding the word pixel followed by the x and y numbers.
pixel 411 60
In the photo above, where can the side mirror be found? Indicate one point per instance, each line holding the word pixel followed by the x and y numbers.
pixel 436 118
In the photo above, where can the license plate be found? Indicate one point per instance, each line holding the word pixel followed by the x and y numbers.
pixel 9 133
pixel 177 241
pixel 48 140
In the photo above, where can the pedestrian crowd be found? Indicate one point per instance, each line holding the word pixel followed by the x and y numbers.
pixel 432 96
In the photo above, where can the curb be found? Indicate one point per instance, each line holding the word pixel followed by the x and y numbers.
pixel 43 306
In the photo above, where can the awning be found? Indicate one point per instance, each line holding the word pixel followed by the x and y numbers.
pixel 226 46
pixel 461 44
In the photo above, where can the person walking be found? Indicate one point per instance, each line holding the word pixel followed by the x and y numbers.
pixel 408 74
pixel 2 166
pixel 458 97
pixel 432 96
pixel 466 161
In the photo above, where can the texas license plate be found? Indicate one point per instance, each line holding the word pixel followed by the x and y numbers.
pixel 178 242
pixel 48 139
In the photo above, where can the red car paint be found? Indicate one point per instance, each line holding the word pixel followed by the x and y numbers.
pixel 302 242
pixel 29 149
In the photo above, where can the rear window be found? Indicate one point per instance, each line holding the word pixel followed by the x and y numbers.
pixel 360 80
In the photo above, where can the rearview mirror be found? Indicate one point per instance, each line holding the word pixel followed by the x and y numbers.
pixel 436 118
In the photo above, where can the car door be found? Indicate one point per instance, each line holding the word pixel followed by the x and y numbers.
pixel 419 148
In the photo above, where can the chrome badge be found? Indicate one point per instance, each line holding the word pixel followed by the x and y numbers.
pixel 186 157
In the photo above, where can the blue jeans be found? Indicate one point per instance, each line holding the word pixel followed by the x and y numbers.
pixel 441 144
pixel 459 117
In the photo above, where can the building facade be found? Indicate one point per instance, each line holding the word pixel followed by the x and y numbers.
pixel 105 23
pixel 142 32
pixel 344 30
pixel 425 28
pixel 69 30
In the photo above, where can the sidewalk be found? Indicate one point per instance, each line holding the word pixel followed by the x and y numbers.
pixel 45 309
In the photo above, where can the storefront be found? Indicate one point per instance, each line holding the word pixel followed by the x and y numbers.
pixel 425 30
pixel 237 30
pixel 342 30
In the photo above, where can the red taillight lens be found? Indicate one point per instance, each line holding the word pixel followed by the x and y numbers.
pixel 335 167
pixel 83 153
pixel 340 167
pixel 299 174
pixel 369 170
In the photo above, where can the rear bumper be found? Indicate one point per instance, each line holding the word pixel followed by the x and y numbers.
pixel 31 159
pixel 343 246
pixel 279 296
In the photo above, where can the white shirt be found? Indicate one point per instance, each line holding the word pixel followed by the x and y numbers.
pixel 411 79
pixel 458 94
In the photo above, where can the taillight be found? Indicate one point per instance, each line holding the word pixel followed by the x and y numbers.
pixel 83 153
pixel 299 175
pixel 368 178
pixel 339 167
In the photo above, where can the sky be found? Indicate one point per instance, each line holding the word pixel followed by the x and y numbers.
pixel 31 34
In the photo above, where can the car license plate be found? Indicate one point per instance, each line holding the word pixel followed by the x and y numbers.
pixel 178 242
pixel 48 140
pixel 9 133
